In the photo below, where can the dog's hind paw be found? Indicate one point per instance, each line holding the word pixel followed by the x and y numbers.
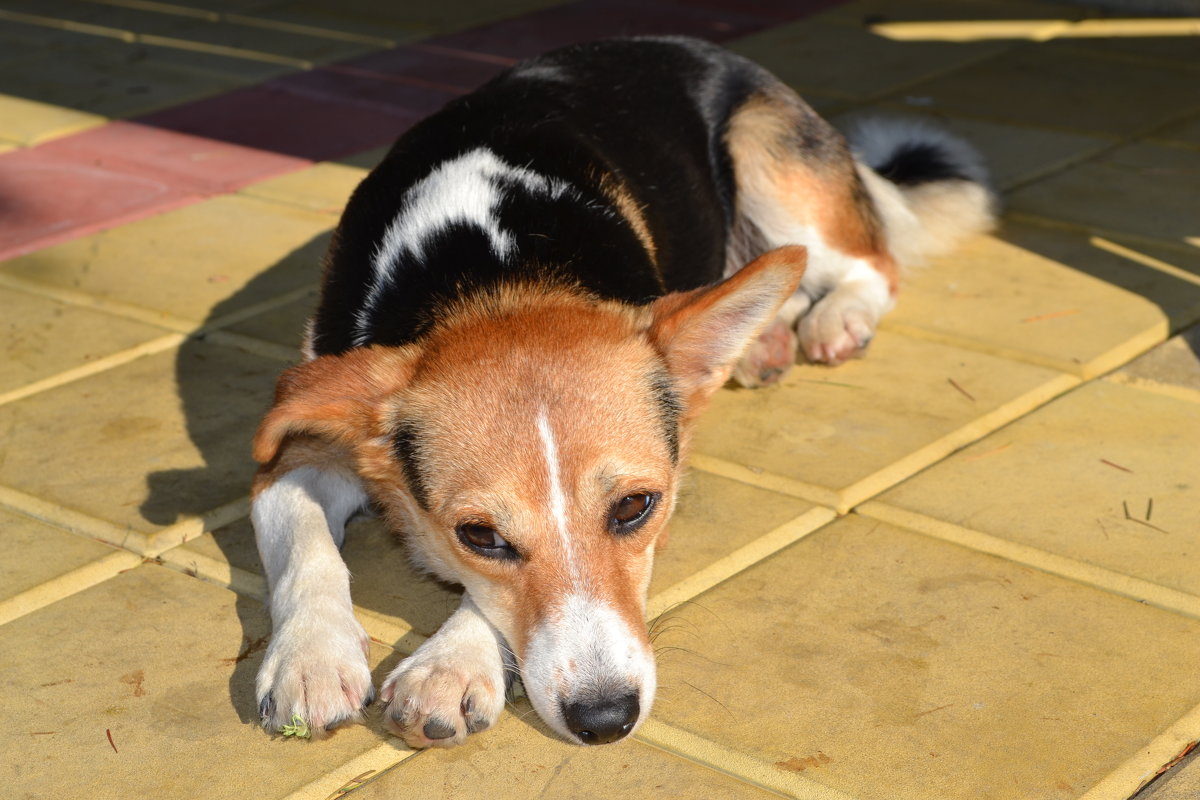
pixel 443 693
pixel 314 679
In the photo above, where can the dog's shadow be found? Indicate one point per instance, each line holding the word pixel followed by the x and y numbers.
pixel 226 384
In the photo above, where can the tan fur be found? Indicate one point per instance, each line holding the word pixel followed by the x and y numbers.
pixel 618 194
pixel 474 389
pixel 827 196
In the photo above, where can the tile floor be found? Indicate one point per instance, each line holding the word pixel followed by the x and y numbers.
pixel 966 566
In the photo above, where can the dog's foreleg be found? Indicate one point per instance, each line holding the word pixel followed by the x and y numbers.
pixel 315 669
pixel 453 685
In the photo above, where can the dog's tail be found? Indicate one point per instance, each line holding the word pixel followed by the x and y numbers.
pixel 934 190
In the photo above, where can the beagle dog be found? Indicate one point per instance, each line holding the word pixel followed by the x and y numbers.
pixel 524 309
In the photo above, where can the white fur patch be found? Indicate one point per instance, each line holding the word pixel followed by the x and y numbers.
pixel 608 660
pixel 463 191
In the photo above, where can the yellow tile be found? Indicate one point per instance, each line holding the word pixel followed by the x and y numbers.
pixel 165 664
pixel 205 260
pixel 429 17
pixel 1186 133
pixel 855 430
pixel 28 122
pixel 146 444
pixel 35 553
pixel 715 518
pixel 850 61
pixel 40 338
pixel 1173 365
pixel 195 29
pixel 1063 479
pixel 111 80
pixel 894 667
pixel 1013 153
pixel 1048 296
pixel 282 325
pixel 1144 189
pixel 519 758
pixel 367 159
pixel 322 187
pixel 1061 91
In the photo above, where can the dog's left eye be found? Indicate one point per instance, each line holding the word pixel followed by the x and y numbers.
pixel 484 539
pixel 631 511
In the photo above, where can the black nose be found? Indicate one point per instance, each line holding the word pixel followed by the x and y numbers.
pixel 604 721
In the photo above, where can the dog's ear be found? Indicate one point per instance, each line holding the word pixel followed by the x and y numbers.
pixel 335 397
pixel 703 333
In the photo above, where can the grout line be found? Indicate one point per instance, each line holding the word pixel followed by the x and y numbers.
pixel 223 50
pixel 161 8
pixel 764 480
pixel 158 319
pixel 1128 349
pixel 355 772
pixel 68 25
pixel 1156 387
pixel 1075 368
pixel 1145 260
pixel 935 451
pixel 746 768
pixel 315 31
pixel 254 309
pixel 74 521
pixel 67 584
pixel 744 557
pixel 1120 141
pixel 1097 231
pixel 382 629
pixel 216 571
pixel 258 347
pixel 94 367
pixel 1138 770
pixel 1079 571
pixel 192 527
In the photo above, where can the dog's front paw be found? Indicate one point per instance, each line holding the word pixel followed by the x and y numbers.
pixel 440 695
pixel 836 330
pixel 315 676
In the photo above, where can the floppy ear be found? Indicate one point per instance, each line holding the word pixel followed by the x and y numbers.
pixel 335 397
pixel 703 333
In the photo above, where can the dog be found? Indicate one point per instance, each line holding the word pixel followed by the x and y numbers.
pixel 524 309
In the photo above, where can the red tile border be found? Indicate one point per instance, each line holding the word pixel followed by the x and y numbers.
pixel 298 119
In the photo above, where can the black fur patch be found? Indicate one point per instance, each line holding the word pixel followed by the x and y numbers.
pixel 406 448
pixel 650 113
pixel 670 408
pixel 913 163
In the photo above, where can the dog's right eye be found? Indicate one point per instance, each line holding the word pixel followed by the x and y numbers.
pixel 484 539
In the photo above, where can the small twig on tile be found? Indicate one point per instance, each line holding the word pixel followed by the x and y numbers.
pixel 1051 315
pixel 1125 506
pixel 1117 466
pixel 110 741
pixel 1149 508
pixel 965 393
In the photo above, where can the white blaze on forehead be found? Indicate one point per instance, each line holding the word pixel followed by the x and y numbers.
pixel 558 498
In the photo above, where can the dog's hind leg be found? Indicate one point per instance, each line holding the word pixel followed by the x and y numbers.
pixel 453 685
pixel 315 670
pixel 799 183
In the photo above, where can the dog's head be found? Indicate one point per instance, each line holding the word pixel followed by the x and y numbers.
pixel 529 446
